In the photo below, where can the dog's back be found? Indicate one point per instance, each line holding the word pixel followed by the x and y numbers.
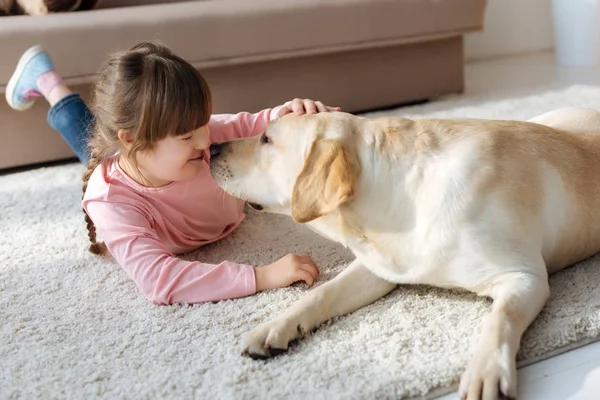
pixel 511 185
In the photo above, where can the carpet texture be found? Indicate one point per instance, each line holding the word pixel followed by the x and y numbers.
pixel 73 326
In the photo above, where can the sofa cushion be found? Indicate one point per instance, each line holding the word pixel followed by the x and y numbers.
pixel 225 32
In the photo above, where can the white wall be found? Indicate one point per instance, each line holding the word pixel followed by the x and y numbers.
pixel 511 27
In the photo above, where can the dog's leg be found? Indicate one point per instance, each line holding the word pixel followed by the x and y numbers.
pixel 518 299
pixel 352 289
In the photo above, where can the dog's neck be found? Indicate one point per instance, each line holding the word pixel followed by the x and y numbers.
pixel 336 227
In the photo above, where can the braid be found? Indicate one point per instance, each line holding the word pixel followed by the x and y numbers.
pixel 95 247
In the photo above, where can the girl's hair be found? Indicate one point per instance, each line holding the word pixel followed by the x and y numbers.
pixel 150 93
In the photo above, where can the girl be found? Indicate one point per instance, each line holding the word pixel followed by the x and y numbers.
pixel 147 190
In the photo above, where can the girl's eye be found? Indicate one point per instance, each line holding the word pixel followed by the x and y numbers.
pixel 264 139
pixel 186 137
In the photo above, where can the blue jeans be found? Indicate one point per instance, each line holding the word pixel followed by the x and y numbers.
pixel 73 120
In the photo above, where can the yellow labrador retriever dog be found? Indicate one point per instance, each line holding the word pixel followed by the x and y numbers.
pixel 489 206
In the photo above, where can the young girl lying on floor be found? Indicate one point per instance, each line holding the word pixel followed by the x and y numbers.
pixel 147 190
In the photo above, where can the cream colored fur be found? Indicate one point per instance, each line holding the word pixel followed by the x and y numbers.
pixel 488 206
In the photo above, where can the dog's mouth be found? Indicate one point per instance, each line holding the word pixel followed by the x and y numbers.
pixel 255 206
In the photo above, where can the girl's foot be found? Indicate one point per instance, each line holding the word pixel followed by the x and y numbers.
pixel 34 77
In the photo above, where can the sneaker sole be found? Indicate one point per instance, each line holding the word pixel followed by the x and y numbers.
pixel 12 83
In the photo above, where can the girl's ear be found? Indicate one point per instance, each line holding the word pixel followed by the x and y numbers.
pixel 126 138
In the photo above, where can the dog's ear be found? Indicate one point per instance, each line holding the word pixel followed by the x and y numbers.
pixel 327 180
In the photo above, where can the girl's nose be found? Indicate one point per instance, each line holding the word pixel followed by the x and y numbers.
pixel 202 140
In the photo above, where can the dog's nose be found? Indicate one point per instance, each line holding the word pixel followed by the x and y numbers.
pixel 215 150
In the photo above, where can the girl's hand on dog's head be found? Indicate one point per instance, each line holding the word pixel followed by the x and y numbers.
pixel 305 106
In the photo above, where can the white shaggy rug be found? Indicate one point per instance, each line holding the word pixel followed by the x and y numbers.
pixel 73 326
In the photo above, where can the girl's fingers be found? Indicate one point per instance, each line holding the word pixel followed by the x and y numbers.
pixel 306 259
pixel 320 106
pixel 309 106
pixel 311 269
pixel 298 106
pixel 302 275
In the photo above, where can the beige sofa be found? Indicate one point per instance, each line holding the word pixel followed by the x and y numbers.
pixel 356 54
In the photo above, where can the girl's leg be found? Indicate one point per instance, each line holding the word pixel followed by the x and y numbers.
pixel 35 77
pixel 71 117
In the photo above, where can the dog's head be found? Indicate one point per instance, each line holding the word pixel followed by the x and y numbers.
pixel 303 166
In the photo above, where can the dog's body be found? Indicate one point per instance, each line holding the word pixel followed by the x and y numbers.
pixel 487 206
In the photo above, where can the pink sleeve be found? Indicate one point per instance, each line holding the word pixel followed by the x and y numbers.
pixel 224 127
pixel 161 276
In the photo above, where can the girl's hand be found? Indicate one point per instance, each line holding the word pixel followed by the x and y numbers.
pixel 306 106
pixel 285 271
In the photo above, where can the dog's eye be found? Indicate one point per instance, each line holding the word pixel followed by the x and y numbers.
pixel 264 139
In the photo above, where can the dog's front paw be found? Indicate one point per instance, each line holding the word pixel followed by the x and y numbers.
pixel 271 338
pixel 490 375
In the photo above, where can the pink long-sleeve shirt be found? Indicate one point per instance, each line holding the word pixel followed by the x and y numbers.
pixel 144 228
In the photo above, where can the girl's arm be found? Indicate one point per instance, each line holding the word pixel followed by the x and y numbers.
pixel 166 279
pixel 224 127
pixel 162 277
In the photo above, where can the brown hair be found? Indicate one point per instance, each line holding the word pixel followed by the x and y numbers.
pixel 149 92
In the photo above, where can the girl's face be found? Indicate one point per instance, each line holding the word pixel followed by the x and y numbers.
pixel 175 158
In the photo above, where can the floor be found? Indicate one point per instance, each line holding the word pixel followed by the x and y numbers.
pixel 574 375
